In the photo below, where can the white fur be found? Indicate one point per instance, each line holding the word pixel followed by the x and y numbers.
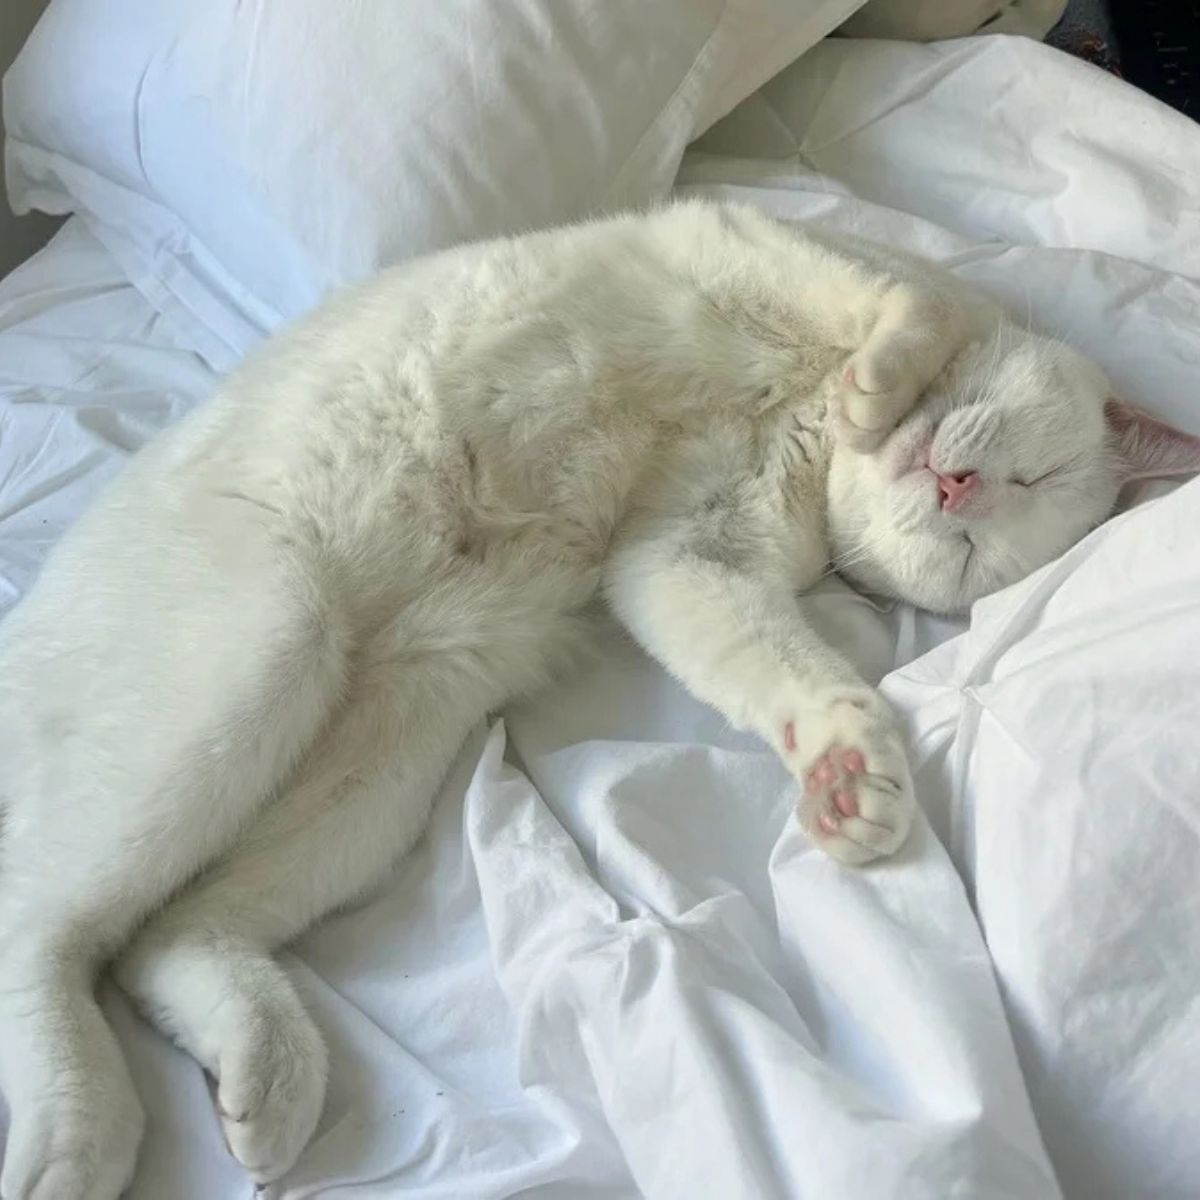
pixel 228 701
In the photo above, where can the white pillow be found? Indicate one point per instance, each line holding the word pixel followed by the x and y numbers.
pixel 241 159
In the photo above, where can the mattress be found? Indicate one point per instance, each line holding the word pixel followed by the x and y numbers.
pixel 614 967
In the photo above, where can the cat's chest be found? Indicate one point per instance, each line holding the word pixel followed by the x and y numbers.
pixel 797 437
pixel 794 472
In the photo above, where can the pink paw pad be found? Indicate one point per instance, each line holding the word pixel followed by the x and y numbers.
pixel 828 822
pixel 853 762
pixel 822 775
pixel 832 780
pixel 846 803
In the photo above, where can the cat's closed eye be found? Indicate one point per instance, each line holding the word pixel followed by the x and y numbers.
pixel 1028 483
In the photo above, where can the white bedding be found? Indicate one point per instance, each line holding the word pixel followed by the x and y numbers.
pixel 614 967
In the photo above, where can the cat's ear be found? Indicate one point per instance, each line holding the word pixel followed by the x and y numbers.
pixel 1149 448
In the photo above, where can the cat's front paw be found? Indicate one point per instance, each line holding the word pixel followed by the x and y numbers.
pixel 857 801
pixel 875 393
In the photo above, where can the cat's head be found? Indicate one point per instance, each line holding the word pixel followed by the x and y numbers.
pixel 1014 453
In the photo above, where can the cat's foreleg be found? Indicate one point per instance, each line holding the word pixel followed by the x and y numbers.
pixel 734 634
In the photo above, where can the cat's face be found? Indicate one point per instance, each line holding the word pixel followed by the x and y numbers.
pixel 1012 456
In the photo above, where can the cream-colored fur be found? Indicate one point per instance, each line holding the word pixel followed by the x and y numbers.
pixel 226 705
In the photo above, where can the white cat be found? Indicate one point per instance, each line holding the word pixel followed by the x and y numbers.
pixel 227 703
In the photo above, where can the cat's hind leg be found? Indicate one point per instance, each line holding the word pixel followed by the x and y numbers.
pixel 117 791
pixel 203 969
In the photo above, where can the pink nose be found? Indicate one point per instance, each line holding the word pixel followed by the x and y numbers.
pixel 955 490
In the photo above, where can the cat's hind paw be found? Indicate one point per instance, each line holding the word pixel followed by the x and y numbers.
pixel 72 1151
pixel 271 1091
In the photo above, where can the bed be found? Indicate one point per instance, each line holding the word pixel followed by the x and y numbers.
pixel 614 967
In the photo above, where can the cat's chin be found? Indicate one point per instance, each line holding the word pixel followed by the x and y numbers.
pixel 921 586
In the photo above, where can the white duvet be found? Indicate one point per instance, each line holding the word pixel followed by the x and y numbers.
pixel 614 967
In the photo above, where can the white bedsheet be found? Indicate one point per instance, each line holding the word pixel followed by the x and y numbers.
pixel 614 967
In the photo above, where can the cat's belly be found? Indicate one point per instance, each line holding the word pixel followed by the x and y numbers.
pixel 437 540
pixel 387 514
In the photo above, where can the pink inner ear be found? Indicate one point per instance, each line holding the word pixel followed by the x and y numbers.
pixel 1150 448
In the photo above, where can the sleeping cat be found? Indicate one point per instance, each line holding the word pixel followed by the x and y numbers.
pixel 227 703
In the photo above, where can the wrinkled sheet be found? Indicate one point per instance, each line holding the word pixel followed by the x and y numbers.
pixel 614 967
